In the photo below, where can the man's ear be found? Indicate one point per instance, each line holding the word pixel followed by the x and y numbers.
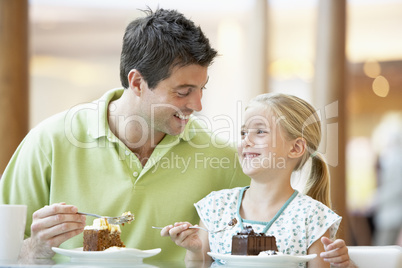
pixel 298 148
pixel 135 81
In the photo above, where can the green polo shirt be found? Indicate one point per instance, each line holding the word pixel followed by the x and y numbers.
pixel 73 157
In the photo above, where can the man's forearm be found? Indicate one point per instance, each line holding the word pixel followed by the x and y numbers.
pixel 31 250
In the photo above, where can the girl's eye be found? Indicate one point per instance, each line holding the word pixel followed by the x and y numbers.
pixel 243 133
pixel 260 131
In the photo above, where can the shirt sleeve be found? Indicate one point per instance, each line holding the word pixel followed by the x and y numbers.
pixel 203 208
pixel 26 178
pixel 218 208
pixel 320 219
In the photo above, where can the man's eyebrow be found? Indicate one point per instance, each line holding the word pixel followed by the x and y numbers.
pixel 190 85
pixel 184 86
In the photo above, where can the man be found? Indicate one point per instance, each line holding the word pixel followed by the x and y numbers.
pixel 136 149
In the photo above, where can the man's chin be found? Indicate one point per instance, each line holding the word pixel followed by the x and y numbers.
pixel 176 131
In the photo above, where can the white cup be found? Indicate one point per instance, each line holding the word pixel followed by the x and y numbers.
pixel 12 228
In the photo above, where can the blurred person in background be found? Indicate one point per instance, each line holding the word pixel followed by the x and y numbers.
pixel 387 140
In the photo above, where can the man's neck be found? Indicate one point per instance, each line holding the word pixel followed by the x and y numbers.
pixel 131 132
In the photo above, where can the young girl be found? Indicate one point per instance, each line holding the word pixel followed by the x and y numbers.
pixel 280 133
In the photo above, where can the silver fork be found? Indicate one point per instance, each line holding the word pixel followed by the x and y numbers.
pixel 112 220
pixel 191 227
pixel 230 225
pixel 201 228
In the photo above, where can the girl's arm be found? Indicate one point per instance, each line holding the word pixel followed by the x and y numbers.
pixel 316 248
pixel 330 253
pixel 200 254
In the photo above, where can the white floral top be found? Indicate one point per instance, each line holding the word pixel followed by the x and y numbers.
pixel 296 226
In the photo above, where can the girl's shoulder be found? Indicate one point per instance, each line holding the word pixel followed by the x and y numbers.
pixel 222 196
pixel 308 203
pixel 303 198
pixel 226 192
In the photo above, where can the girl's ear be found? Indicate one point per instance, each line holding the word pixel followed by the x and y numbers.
pixel 135 81
pixel 298 148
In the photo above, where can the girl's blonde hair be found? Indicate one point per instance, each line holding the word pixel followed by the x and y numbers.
pixel 299 119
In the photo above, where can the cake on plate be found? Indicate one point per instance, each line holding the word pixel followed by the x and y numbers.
pixel 101 235
pixel 247 242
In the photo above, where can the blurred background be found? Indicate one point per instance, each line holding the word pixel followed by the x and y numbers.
pixel 264 46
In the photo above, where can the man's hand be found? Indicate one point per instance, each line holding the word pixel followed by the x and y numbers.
pixel 51 226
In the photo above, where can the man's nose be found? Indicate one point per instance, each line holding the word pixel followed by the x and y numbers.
pixel 195 101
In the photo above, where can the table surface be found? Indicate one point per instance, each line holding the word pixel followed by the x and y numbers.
pixel 62 259
pixel 147 263
pixel 67 263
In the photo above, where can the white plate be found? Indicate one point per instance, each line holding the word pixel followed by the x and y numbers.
pixel 266 261
pixel 131 255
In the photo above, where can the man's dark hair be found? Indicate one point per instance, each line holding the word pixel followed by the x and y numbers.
pixel 163 39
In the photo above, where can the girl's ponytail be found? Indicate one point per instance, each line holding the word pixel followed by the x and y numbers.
pixel 318 183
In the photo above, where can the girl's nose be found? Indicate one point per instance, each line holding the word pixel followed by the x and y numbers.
pixel 247 141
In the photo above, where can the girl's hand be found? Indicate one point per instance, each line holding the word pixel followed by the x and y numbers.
pixel 336 253
pixel 183 236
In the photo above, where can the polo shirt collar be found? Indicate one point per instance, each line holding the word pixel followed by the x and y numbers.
pixel 98 125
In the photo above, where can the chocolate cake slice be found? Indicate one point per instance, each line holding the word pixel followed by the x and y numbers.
pixel 249 243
